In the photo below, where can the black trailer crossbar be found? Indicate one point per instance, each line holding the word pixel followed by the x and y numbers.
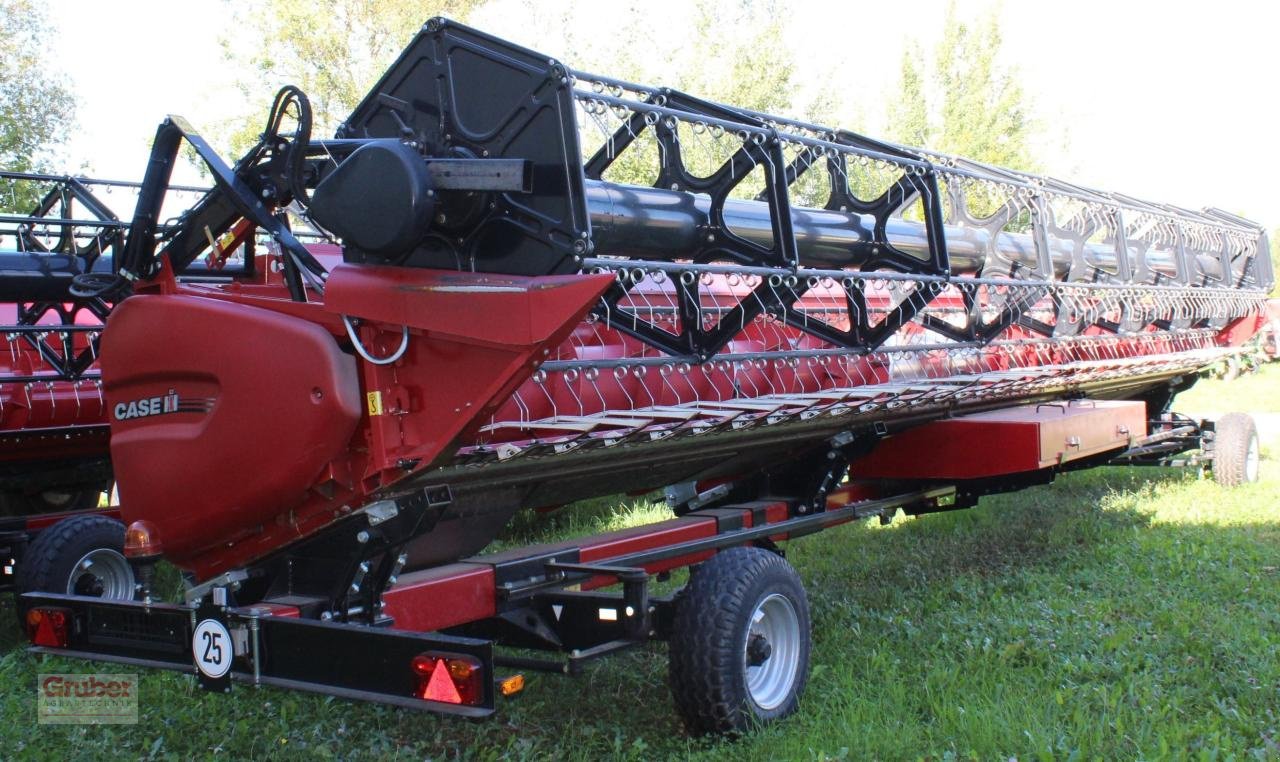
pixel 344 660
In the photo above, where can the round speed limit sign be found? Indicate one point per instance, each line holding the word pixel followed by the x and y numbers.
pixel 211 645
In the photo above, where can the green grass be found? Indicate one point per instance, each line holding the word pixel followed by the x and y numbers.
pixel 1251 393
pixel 1117 614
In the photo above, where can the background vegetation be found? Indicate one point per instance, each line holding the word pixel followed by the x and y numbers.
pixel 37 107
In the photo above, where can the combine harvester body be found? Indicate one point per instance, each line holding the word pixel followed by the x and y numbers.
pixel 554 285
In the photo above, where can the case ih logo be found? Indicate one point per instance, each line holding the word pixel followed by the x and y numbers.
pixel 169 403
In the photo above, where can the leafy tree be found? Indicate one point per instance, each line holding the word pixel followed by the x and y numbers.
pixel 333 49
pixel 962 100
pixel 36 105
pixel 728 51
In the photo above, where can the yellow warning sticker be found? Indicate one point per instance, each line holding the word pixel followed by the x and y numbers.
pixel 375 402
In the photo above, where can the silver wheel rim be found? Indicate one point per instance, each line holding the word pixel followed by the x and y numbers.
pixel 102 573
pixel 770 682
pixel 1251 460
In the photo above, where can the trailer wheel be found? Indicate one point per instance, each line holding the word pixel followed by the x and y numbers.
pixel 82 555
pixel 1235 450
pixel 740 642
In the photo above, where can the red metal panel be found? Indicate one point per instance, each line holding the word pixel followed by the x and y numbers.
pixel 478 308
pixel 445 596
pixel 773 514
pixel 603 547
pixel 476 338
pixel 187 379
pixel 49 519
pixel 1013 440
pixel 278 610
pixel 1238 332
pixel 1088 428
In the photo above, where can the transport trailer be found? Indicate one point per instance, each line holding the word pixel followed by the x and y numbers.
pixel 550 285
pixel 738 632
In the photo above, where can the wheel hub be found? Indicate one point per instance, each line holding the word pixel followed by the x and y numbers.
pixel 758 650
pixel 102 573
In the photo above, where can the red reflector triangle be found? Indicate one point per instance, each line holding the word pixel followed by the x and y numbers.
pixel 441 687
pixel 46 635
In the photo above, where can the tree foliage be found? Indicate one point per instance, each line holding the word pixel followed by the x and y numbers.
pixel 732 52
pixel 962 100
pixel 333 49
pixel 36 106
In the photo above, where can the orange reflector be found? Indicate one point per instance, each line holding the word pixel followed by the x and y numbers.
pixel 512 685
pixel 460 669
pixel 440 687
pixel 48 627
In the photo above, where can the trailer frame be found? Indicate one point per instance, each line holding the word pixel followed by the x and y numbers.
pixel 548 598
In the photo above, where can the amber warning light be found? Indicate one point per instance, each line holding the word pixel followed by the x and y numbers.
pixel 141 540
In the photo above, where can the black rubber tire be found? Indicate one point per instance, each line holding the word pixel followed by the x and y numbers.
pixel 50 559
pixel 708 671
pixel 1235 437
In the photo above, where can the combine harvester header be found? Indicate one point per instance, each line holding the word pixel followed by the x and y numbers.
pixel 546 285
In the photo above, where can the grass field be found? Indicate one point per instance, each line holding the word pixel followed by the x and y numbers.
pixel 1117 614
